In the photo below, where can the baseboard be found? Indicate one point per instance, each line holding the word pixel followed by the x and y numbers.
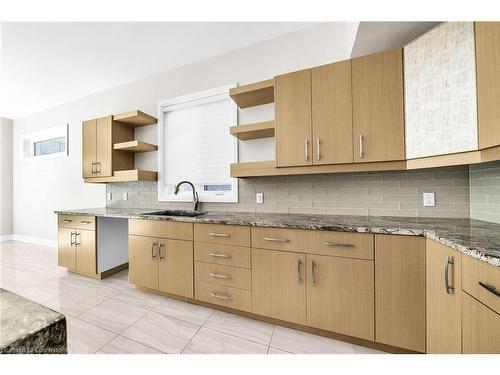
pixel 7 237
pixel 34 240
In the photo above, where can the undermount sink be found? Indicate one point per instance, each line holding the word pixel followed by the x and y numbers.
pixel 186 213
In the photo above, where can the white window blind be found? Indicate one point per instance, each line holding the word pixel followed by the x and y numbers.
pixel 195 145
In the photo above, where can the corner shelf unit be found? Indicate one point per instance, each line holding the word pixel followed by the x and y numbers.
pixel 135 146
pixel 253 131
pixel 253 94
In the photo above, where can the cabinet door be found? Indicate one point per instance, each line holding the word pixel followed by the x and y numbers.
pixel 86 259
pixel 175 272
pixel 143 261
pixel 332 113
pixel 89 147
pixel 400 291
pixel 278 285
pixel 66 250
pixel 340 295
pixel 104 148
pixel 377 94
pixel 443 267
pixel 293 119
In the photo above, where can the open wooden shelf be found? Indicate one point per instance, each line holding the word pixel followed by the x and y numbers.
pixel 126 176
pixel 135 118
pixel 253 94
pixel 135 146
pixel 253 131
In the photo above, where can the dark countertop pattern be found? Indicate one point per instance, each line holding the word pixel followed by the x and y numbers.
pixel 478 239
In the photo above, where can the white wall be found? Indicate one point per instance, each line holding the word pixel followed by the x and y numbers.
pixel 6 227
pixel 43 186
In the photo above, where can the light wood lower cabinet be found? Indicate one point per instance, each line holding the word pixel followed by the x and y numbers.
pixel 340 295
pixel 142 260
pixel 444 293
pixel 66 250
pixel 77 250
pixel 279 285
pixel 400 291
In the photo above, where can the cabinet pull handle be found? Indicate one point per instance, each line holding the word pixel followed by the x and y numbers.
pixel 313 271
pixel 67 221
pixel 71 238
pixel 93 167
pixel 319 152
pixel 225 297
pixel 490 288
pixel 219 234
pixel 306 149
pixel 86 222
pixel 98 170
pixel 162 246
pixel 299 278
pixel 276 239
pixel 361 151
pixel 335 244
pixel 218 255
pixel 447 286
pixel 78 243
pixel 220 275
pixel 153 255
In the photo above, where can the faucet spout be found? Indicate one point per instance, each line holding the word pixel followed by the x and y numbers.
pixel 196 202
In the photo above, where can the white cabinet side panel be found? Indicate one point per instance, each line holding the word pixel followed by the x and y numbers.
pixel 112 243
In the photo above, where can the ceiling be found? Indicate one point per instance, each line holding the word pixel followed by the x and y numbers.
pixel 46 64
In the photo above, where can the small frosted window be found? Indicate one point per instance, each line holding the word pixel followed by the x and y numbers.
pixel 49 146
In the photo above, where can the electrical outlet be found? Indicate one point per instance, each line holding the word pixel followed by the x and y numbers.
pixel 125 196
pixel 259 198
pixel 109 196
pixel 429 200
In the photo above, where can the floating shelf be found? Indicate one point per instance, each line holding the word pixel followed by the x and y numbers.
pixel 253 131
pixel 126 176
pixel 135 146
pixel 135 118
pixel 253 94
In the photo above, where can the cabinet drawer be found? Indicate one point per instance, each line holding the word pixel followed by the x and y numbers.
pixel 474 272
pixel 163 229
pixel 77 222
pixel 236 256
pixel 222 234
pixel 223 275
pixel 238 299
pixel 343 244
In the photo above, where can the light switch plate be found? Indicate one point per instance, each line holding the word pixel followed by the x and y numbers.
pixel 109 196
pixel 259 198
pixel 125 196
pixel 429 200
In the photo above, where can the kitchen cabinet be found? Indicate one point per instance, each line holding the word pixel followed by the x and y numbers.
pixel 175 267
pixel 340 295
pixel 66 250
pixel 85 248
pixel 142 260
pixel 400 291
pixel 279 285
pixel 293 119
pixel 377 107
pixel 444 293
pixel 97 147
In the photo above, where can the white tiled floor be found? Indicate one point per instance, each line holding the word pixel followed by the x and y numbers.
pixel 110 316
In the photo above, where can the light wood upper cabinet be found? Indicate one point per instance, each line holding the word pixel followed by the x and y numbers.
pixel 98 147
pixel 340 295
pixel 279 285
pixel 293 119
pixel 488 82
pixel 89 148
pixel 377 93
pixel 86 256
pixel 142 260
pixel 444 293
pixel 400 291
pixel 332 113
pixel 175 272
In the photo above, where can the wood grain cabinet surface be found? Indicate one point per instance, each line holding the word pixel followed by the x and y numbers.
pixel 66 250
pixel 77 250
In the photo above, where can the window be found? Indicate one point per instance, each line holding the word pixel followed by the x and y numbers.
pixel 45 143
pixel 195 145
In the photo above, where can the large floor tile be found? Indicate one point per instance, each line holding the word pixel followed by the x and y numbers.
pixel 85 338
pixel 75 302
pixel 364 350
pixel 276 351
pixel 113 315
pixel 46 291
pixel 208 341
pixel 122 345
pixel 139 298
pixel 185 311
pixel 305 343
pixel 166 334
pixel 15 281
pixel 240 326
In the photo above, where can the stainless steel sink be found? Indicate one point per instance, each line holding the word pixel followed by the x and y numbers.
pixel 185 213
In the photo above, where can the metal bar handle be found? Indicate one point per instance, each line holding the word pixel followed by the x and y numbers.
pixel 306 149
pixel 93 167
pixel 78 243
pixel 71 238
pixel 335 244
pixel 225 297
pixel 153 255
pixel 219 234
pixel 299 278
pixel 313 271
pixel 67 221
pixel 218 255
pixel 490 288
pixel 86 222
pixel 319 152
pixel 361 151
pixel 160 253
pixel 220 275
pixel 98 170
pixel 276 239
pixel 448 287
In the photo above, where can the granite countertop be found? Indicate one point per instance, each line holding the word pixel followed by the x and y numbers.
pixel 476 238
pixel 27 327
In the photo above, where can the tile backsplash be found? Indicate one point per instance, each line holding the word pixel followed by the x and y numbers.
pixel 375 193
pixel 485 191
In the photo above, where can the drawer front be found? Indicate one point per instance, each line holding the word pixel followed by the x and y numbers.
pixel 223 275
pixel 222 234
pixel 238 299
pixel 474 272
pixel 343 244
pixel 163 229
pixel 236 256
pixel 77 222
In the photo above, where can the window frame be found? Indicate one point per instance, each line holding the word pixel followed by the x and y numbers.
pixel 201 97
pixel 28 140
